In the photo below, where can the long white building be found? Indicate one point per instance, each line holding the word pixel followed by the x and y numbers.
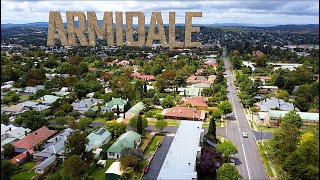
pixel 184 152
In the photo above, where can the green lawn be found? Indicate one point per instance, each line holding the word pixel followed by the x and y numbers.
pixel 99 174
pixel 267 129
pixel 153 145
pixel 140 168
pixel 24 175
pixel 265 160
pixel 28 165
pixel 170 122
pixel 99 119
pixel 24 97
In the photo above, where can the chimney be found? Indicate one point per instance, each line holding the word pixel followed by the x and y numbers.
pixel 9 128
pixel 25 133
pixel 36 133
pixel 56 139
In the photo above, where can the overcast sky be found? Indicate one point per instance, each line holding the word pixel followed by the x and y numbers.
pixel 248 11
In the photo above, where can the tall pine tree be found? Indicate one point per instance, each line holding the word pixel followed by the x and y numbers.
pixel 139 124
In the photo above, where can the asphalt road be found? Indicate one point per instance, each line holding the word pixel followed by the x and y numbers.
pixel 248 160
pixel 158 159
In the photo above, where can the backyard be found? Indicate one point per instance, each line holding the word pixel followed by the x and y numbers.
pixel 26 174
pixel 100 173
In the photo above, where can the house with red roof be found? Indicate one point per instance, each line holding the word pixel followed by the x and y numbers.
pixel 257 53
pixel 21 158
pixel 33 139
pixel 184 113
pixel 137 75
pixel 198 102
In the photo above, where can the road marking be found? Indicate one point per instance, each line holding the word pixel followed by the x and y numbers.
pixel 254 136
pixel 245 158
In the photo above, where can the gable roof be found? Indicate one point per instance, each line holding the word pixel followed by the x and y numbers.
pixel 97 137
pixel 126 140
pixel 183 112
pixel 13 108
pixel 20 156
pixel 116 101
pixel 136 108
pixel 195 101
pixel 304 115
pixel 46 163
pixel 273 102
pixel 34 138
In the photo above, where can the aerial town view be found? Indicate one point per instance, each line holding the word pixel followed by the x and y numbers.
pixel 159 90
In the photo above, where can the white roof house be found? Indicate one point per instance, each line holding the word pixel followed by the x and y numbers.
pixel 180 162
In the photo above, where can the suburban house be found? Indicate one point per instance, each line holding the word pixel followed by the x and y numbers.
pixel 274 118
pixel 30 89
pixel 135 110
pixel 14 109
pixel 275 103
pixel 48 99
pixel 137 75
pixel 98 138
pixel 196 79
pixel 184 113
pixel 10 134
pixel 54 146
pixel 22 157
pixel 189 91
pixel 33 139
pixel 114 171
pixel 84 105
pixel 117 102
pixel 44 165
pixel 257 53
pixel 263 79
pixel 268 90
pixel 198 102
pixel 63 92
pixel 130 139
pixel 184 152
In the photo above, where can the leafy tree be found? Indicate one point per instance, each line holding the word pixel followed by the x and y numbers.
pixel 8 151
pixel 76 144
pixel 228 172
pixel 167 102
pixel 285 140
pixel 139 124
pixel 283 94
pixel 109 115
pixel 19 120
pixel 4 119
pixel 279 81
pixel 180 80
pixel 115 128
pixel 207 167
pixel 135 120
pixel 84 123
pixel 131 157
pixel 54 176
pixel 261 61
pixel 128 174
pixel 303 163
pixel 226 149
pixel 207 92
pixel 216 114
pixel 161 124
pixel 293 118
pixel 122 86
pixel 305 137
pixel 74 167
pixel 7 169
pixel 159 117
pixel 212 127
pixel 33 119
pixel 60 113
pixel 225 107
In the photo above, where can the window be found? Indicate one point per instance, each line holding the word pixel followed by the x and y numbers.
pixel 111 153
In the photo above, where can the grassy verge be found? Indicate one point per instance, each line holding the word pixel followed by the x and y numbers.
pixel 99 119
pixel 100 173
pixel 140 168
pixel 153 145
pixel 24 97
pixel 24 175
pixel 265 160
pixel 170 122
pixel 266 129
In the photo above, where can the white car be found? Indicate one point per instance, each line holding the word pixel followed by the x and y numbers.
pixel 234 92
pixel 232 162
pixel 244 134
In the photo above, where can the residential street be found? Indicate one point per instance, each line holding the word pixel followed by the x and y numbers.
pixel 249 162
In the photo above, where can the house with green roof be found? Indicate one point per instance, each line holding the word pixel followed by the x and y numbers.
pixel 274 118
pixel 98 138
pixel 135 110
pixel 117 102
pixel 130 139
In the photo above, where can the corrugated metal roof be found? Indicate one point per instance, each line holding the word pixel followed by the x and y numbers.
pixel 126 140
pixel 303 115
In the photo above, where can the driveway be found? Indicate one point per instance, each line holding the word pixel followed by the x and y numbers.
pixel 158 159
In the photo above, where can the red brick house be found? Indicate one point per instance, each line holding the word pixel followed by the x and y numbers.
pixel 184 113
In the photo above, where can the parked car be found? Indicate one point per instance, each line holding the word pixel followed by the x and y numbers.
pixel 244 134
pixel 146 169
pixel 159 144
pixel 232 162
